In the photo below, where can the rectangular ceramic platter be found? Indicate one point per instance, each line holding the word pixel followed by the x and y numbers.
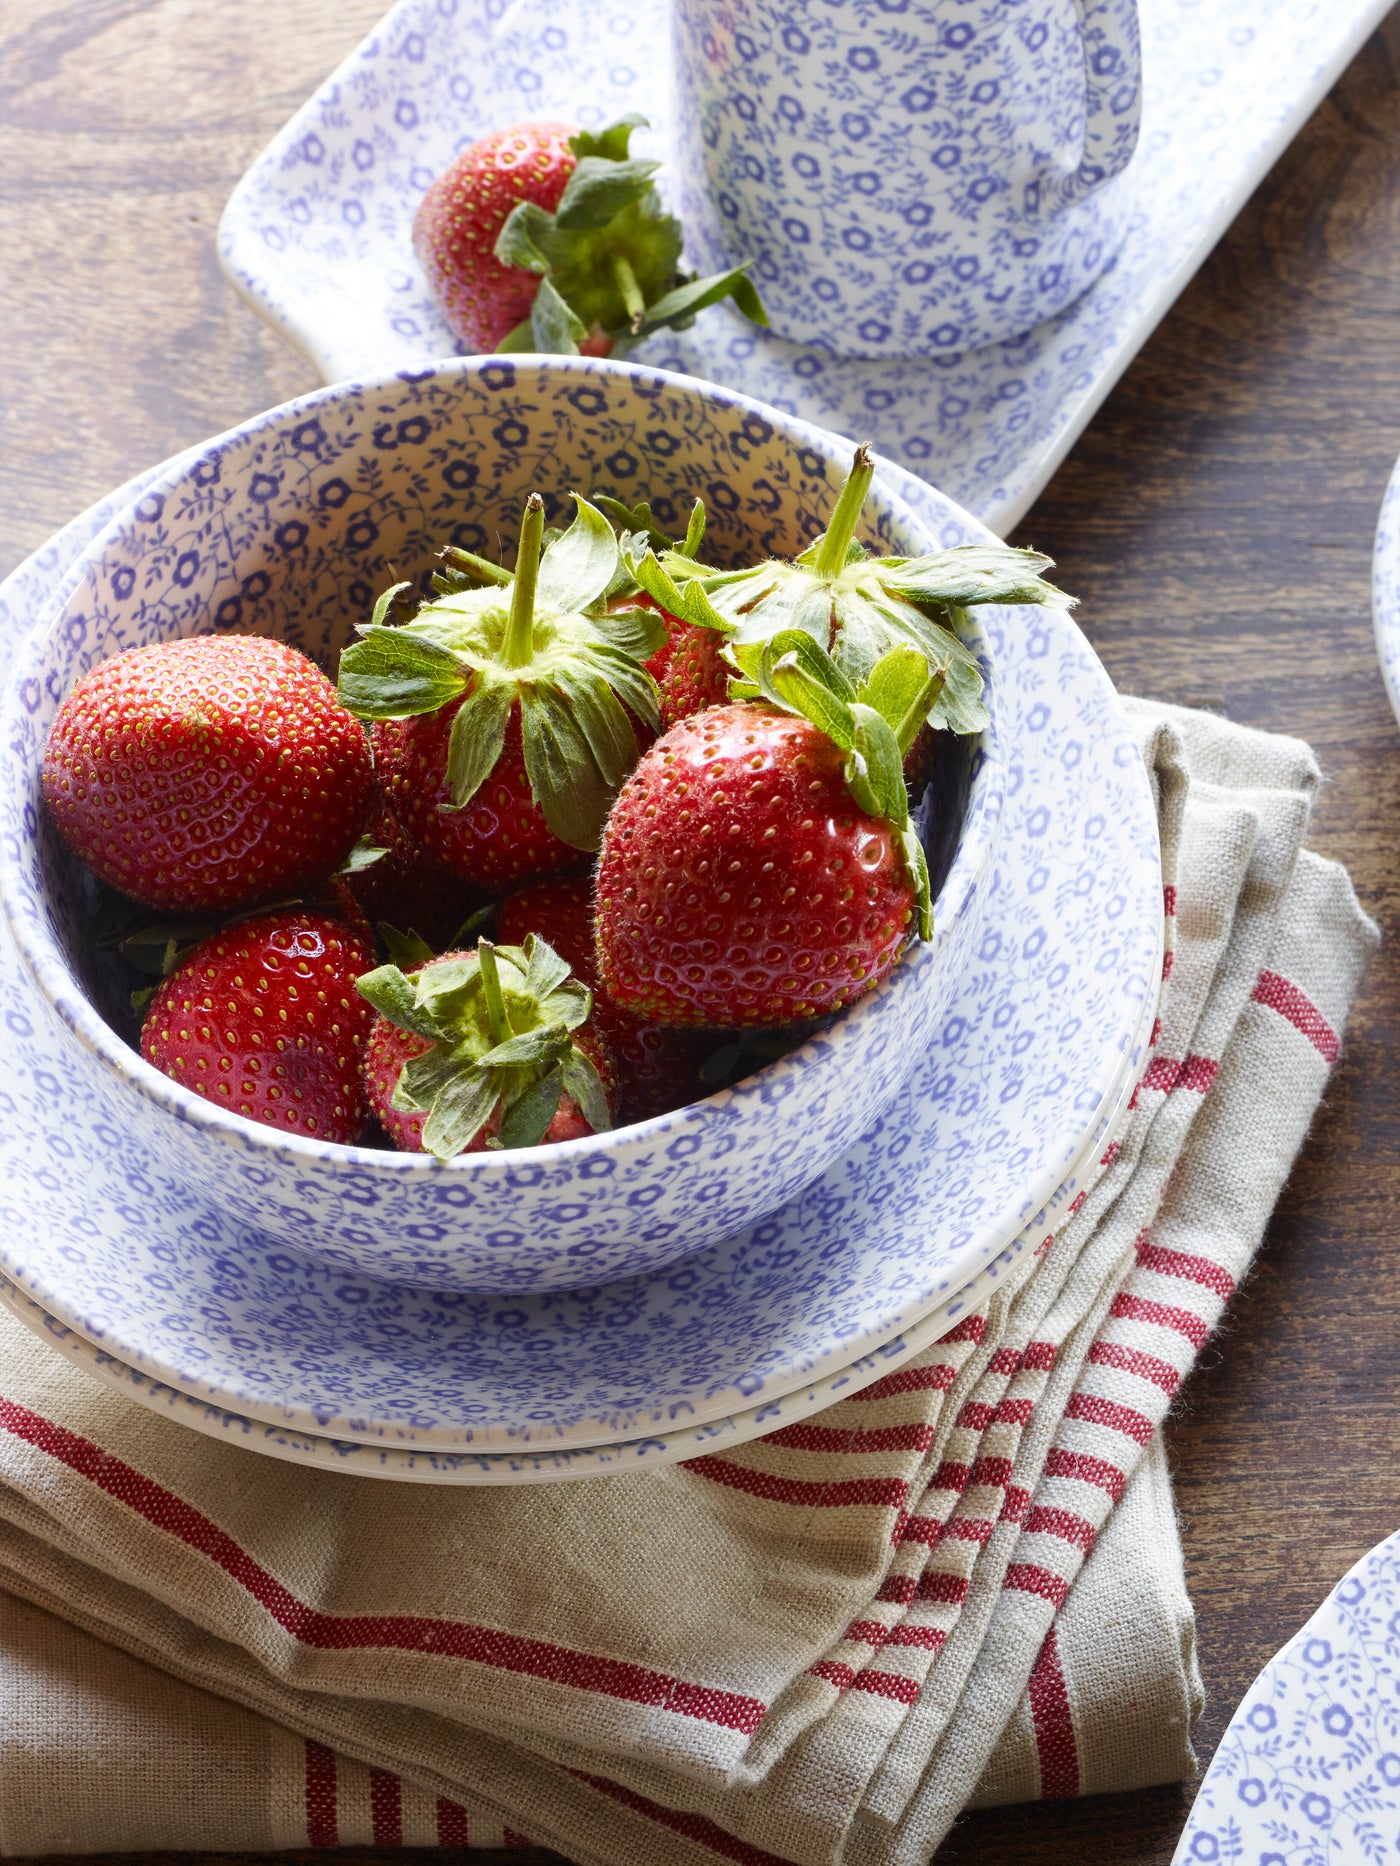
pixel 317 236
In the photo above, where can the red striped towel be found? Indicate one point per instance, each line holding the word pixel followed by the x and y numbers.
pixel 962 1584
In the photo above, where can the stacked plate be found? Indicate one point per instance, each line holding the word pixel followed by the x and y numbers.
pixel 989 1142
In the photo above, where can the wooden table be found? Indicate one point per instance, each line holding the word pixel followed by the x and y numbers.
pixel 1216 519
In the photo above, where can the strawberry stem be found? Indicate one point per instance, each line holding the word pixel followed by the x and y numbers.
pixel 519 643
pixel 501 1031
pixel 631 291
pixel 830 559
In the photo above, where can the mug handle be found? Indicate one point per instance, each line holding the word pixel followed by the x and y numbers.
pixel 1112 39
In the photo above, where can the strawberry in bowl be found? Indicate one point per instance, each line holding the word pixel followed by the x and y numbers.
pixel 289 529
pixel 504 715
pixel 207 774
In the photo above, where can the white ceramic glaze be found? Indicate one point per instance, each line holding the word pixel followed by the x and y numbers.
pixel 1385 590
pixel 317 236
pixel 1308 1772
pixel 910 179
pixel 289 525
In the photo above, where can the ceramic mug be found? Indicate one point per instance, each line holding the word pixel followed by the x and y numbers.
pixel 907 177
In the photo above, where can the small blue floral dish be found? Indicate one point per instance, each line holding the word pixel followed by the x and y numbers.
pixel 1308 1773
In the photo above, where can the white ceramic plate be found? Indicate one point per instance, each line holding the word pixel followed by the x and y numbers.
pixel 1385 590
pixel 1031 1058
pixel 317 235
pixel 1308 1773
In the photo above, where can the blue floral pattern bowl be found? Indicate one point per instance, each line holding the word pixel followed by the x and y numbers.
pixel 289 525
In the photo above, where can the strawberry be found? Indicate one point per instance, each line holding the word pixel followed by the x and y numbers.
pixel 505 713
pixel 658 1068
pixel 407 887
pixel 264 1019
pixel 485 1049
pixel 759 867
pixel 460 218
pixel 852 604
pixel 205 775
pixel 691 672
pixel 689 668
pixel 559 911
pixel 500 837
pixel 539 240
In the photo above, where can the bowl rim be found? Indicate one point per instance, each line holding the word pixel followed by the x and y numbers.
pixel 39 951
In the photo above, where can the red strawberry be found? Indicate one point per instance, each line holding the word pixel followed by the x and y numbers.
pixel 389 1048
pixel 407 887
pixel 538 239
pixel 264 1019
pixel 485 1049
pixel 690 671
pixel 210 774
pixel 758 869
pixel 499 838
pixel 855 606
pixel 460 218
pixel 658 1068
pixel 560 911
pixel 689 667
pixel 505 714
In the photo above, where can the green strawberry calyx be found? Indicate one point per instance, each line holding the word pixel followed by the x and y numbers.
pixel 499 1026
pixel 608 257
pixel 859 606
pixel 543 640
pixel 874 723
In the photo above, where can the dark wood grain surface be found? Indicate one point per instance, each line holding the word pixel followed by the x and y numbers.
pixel 1216 519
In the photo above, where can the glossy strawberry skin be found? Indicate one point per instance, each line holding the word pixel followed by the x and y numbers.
pixel 207 775
pixel 460 217
pixel 690 671
pixel 389 1048
pixel 409 888
pixel 264 1020
pixel 739 884
pixel 560 910
pixel 658 1069
pixel 501 836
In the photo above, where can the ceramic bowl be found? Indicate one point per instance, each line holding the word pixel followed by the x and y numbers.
pixel 288 526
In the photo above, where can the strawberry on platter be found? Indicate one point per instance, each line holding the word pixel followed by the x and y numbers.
pixel 264 1019
pixel 760 867
pixel 491 1048
pixel 539 239
pixel 505 716
pixel 848 602
pixel 658 1068
pixel 206 775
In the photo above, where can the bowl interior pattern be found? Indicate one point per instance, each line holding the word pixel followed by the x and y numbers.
pixel 289 526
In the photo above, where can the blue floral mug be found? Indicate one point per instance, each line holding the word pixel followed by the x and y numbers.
pixel 907 177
